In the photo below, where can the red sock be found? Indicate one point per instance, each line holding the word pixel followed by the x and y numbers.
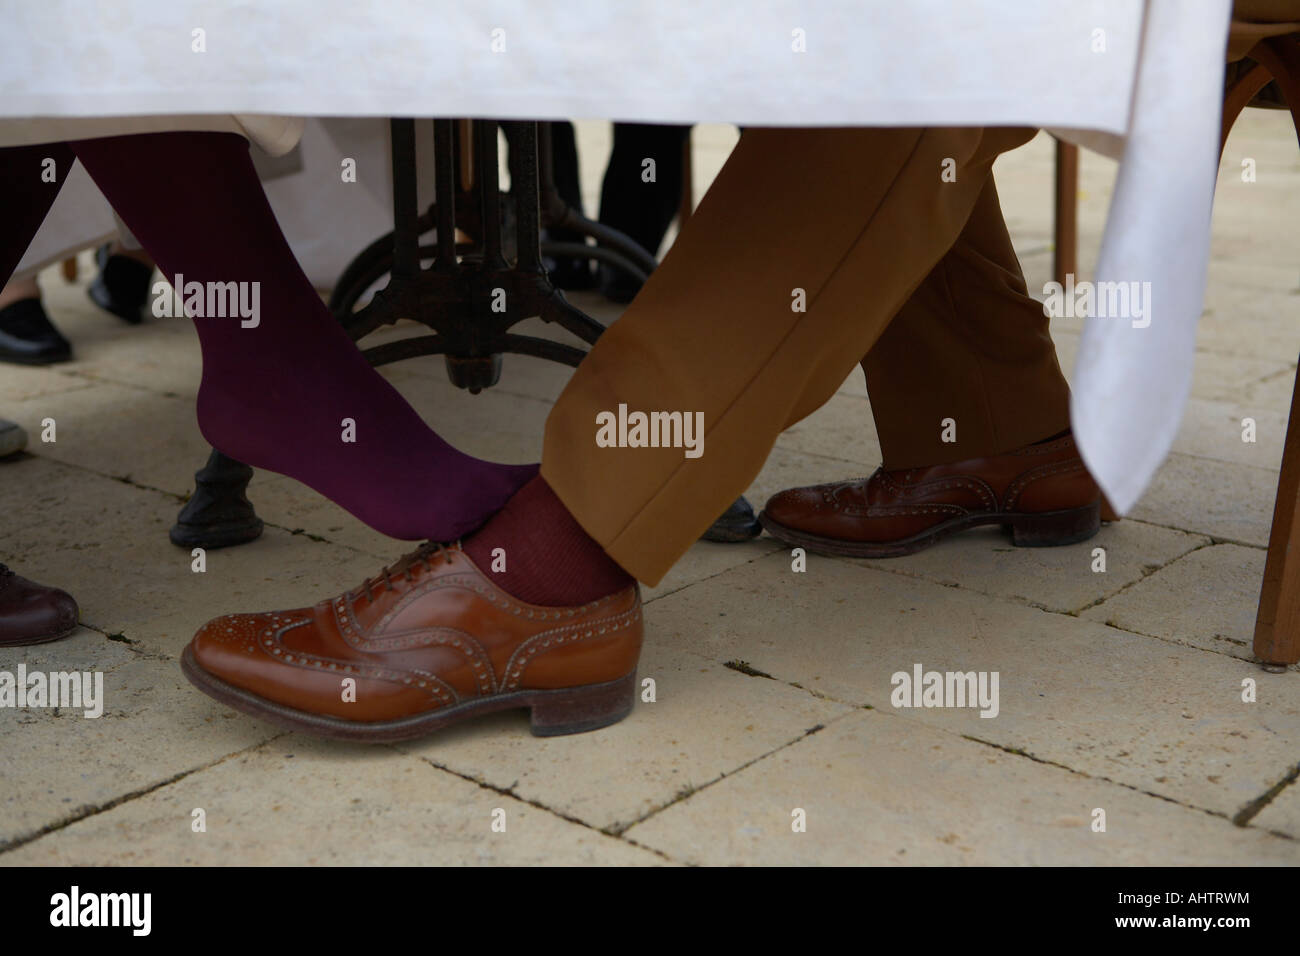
pixel 549 559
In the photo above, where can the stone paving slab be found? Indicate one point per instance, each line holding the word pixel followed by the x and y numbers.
pixel 1056 579
pixel 108 546
pixel 706 721
pixel 1216 377
pixel 291 506
pixel 169 365
pixel 316 804
pixel 842 428
pixel 1276 391
pixel 1207 598
pixel 84 649
pixel 1160 717
pixel 1235 378
pixel 1215 429
pixel 497 424
pixel 119 431
pixel 20 383
pixel 155 726
pixel 1258 321
pixel 878 790
pixel 1226 501
pixel 41 488
pixel 706 559
pixel 1282 814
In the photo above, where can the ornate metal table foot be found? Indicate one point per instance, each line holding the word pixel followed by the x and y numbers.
pixel 219 513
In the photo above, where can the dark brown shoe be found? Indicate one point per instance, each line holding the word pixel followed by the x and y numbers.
pixel 429 643
pixel 1041 493
pixel 31 613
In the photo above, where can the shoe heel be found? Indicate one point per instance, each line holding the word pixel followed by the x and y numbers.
pixel 579 709
pixel 1053 528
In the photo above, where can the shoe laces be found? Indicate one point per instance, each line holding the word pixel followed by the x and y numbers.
pixel 405 567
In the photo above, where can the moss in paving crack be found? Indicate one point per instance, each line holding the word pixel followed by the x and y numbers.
pixel 1003 747
pixel 744 668
pixel 1247 813
pixel 120 638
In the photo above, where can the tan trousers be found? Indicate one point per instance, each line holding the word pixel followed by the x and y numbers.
pixel 859 227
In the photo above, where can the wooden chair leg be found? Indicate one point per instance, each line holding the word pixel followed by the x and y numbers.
pixel 1065 257
pixel 1280 56
pixel 1277 625
pixel 1237 96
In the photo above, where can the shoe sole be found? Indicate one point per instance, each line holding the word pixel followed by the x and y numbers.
pixel 99 294
pixel 14 358
pixel 1046 529
pixel 45 639
pixel 554 713
pixel 12 446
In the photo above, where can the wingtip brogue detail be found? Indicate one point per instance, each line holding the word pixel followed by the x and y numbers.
pixel 1041 493
pixel 427 644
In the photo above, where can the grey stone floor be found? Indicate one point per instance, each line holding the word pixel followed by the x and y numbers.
pixel 1119 691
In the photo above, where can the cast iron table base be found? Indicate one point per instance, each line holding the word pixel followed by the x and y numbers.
pixel 470 296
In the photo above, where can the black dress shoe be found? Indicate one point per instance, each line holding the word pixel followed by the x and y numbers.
pixel 12 438
pixel 737 523
pixel 28 337
pixel 32 613
pixel 122 286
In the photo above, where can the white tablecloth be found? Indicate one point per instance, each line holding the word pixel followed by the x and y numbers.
pixel 1138 79
pixel 326 221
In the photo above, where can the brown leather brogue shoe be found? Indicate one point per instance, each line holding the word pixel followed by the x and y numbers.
pixel 1042 493
pixel 32 613
pixel 430 642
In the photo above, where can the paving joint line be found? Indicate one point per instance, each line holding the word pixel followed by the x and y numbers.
pixel 1145 574
pixel 716 574
pixel 1218 814
pixel 528 801
pixel 685 793
pixel 1258 804
pixel 748 670
pixel 1076 615
pixel 1247 813
pixel 131 482
pixel 86 812
pixel 1193 647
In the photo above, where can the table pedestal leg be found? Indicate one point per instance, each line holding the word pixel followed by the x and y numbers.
pixel 219 513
